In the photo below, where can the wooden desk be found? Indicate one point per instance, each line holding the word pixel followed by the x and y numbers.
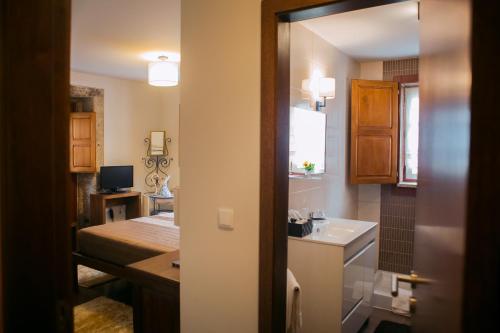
pixel 99 202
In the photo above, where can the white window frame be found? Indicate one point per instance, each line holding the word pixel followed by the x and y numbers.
pixel 402 182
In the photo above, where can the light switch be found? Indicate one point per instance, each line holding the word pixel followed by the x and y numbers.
pixel 226 218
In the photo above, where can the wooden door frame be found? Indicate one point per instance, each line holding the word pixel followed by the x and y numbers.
pixel 35 289
pixel 275 103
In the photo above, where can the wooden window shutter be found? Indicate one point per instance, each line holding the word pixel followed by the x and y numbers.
pixel 82 142
pixel 374 132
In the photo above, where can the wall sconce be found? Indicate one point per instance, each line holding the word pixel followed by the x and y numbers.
pixel 326 91
pixel 323 88
pixel 163 73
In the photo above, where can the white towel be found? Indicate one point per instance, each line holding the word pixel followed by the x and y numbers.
pixel 293 304
pixel 401 303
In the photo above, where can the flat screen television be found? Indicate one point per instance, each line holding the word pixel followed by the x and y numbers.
pixel 117 178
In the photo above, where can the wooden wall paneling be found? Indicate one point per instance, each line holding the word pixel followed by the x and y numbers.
pixel 35 228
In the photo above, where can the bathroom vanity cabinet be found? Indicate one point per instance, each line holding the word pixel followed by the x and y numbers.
pixel 335 267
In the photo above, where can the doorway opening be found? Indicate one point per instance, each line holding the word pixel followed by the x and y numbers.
pixel 124 165
pixel 363 168
pixel 362 160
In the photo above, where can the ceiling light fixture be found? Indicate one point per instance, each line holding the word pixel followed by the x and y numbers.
pixel 163 73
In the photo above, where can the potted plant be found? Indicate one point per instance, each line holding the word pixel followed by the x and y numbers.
pixel 308 167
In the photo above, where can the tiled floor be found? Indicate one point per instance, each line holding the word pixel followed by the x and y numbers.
pixel 378 315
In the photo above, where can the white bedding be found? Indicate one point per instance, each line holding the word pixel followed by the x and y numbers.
pixel 162 219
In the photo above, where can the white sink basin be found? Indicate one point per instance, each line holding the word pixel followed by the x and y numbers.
pixel 337 231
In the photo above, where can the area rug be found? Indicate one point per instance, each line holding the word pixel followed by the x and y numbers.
pixel 88 277
pixel 103 315
pixel 386 326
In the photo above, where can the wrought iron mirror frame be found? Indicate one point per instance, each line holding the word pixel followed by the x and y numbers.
pixel 156 164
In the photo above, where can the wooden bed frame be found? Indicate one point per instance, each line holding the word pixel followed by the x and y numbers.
pixel 156 301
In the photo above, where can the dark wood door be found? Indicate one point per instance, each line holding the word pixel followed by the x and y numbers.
pixel 35 234
pixel 443 164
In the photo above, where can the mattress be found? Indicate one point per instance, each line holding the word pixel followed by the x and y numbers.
pixel 126 242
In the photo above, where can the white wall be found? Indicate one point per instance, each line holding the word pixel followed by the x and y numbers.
pixel 330 192
pixel 131 110
pixel 372 70
pixel 219 151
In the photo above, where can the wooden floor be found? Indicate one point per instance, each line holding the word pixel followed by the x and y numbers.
pixel 378 315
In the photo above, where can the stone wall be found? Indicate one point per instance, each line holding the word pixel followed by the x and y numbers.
pixel 90 100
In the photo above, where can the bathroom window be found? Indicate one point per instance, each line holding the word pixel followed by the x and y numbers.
pixel 408 171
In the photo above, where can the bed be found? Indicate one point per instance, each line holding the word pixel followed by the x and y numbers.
pixel 125 242
pixel 140 251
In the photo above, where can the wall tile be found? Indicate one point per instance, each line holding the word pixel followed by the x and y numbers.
pixel 397 217
pixel 369 193
pixel 369 211
pixel 332 192
pixel 397 225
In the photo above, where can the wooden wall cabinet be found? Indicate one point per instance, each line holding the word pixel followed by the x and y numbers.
pixel 374 132
pixel 83 142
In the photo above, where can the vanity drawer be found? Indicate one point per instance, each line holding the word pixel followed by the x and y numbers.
pixel 357 280
pixel 360 243
pixel 353 288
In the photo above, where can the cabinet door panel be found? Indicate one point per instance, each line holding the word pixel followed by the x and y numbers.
pixel 82 128
pixel 373 104
pixel 374 132
pixel 82 142
pixel 353 283
pixel 374 156
pixel 82 156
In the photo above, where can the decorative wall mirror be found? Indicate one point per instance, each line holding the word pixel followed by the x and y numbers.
pixel 157 160
pixel 307 141
pixel 157 143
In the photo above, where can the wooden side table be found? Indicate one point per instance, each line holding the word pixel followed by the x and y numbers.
pixel 100 201
pixel 156 200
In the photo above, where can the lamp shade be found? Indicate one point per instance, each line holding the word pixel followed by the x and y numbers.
pixel 306 85
pixel 163 74
pixel 327 87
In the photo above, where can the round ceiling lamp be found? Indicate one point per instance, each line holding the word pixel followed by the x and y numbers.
pixel 163 73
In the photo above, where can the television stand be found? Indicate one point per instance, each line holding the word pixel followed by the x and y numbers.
pixel 117 191
pixel 100 201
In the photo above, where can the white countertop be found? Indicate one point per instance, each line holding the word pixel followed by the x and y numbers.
pixel 335 231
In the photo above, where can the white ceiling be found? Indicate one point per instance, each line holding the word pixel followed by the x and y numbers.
pixel 108 37
pixel 384 32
